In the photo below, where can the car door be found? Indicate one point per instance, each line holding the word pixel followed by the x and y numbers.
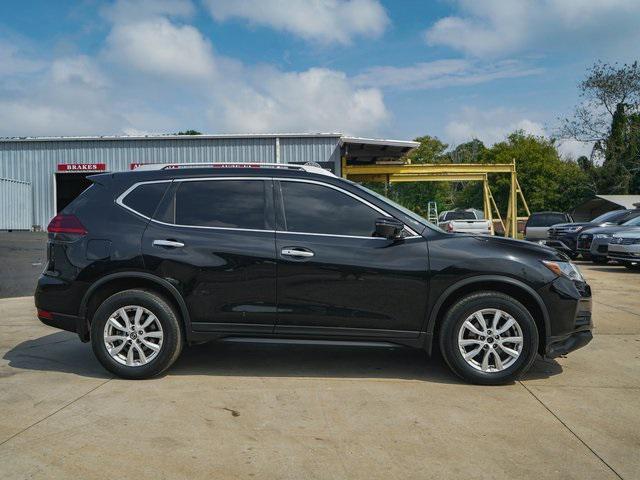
pixel 214 238
pixel 334 276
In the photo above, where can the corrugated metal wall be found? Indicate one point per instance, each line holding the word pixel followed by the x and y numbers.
pixel 15 205
pixel 36 161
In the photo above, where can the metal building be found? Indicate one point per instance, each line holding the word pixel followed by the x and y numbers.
pixel 54 169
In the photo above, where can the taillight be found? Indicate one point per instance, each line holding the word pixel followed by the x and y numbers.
pixel 66 224
pixel 45 314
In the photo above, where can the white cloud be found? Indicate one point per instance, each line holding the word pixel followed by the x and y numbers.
pixel 158 46
pixel 574 149
pixel 132 11
pixel 325 21
pixel 496 27
pixel 489 126
pixel 313 100
pixel 14 62
pixel 442 73
pixel 156 74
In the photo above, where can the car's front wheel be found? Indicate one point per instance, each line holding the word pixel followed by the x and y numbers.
pixel 488 338
pixel 136 334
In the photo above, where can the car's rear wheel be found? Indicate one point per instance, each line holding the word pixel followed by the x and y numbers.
pixel 136 334
pixel 488 338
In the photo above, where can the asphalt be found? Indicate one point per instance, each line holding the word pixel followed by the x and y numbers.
pixel 22 257
pixel 231 411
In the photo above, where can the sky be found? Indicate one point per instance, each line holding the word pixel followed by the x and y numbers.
pixel 455 69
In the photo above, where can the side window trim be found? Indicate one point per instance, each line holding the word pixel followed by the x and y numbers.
pixel 123 195
pixel 277 200
pixel 280 208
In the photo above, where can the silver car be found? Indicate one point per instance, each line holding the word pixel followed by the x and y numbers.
pixel 594 242
pixel 624 248
pixel 538 223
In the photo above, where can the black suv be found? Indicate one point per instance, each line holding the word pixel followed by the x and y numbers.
pixel 146 261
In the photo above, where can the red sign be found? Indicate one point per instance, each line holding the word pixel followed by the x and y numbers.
pixel 82 167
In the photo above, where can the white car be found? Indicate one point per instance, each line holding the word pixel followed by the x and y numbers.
pixel 625 249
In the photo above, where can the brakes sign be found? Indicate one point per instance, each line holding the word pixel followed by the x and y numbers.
pixel 82 167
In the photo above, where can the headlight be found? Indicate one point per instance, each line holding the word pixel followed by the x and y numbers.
pixel 564 269
pixel 602 235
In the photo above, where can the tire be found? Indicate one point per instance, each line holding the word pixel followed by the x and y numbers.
pixel 632 266
pixel 454 328
pixel 599 260
pixel 162 330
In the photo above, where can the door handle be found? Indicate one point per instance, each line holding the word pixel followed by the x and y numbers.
pixel 296 252
pixel 167 243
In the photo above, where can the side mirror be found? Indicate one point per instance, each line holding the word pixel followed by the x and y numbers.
pixel 388 227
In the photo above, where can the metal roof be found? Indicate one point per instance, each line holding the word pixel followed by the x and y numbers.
pixel 168 137
pixel 343 139
pixel 378 141
pixel 626 201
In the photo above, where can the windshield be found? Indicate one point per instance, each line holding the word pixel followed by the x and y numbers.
pixel 634 222
pixel 413 215
pixel 608 217
pixel 546 219
pixel 459 216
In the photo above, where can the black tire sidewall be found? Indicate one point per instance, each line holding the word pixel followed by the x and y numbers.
pixel 460 311
pixel 171 342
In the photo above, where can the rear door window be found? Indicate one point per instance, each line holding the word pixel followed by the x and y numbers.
pixel 313 208
pixel 145 198
pixel 221 203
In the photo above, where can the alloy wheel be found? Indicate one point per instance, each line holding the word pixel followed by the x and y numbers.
pixel 133 336
pixel 490 340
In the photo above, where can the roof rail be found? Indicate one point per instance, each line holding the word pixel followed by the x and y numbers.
pixel 310 167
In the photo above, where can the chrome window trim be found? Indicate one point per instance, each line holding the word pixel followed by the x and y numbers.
pixel 120 201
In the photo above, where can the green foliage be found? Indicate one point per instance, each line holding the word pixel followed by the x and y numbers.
pixel 548 181
pixel 189 132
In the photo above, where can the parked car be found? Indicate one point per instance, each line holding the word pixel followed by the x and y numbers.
pixel 464 221
pixel 564 236
pixel 625 249
pixel 538 223
pixel 146 261
pixel 594 242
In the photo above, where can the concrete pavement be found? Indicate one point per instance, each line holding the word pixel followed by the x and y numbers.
pixel 281 411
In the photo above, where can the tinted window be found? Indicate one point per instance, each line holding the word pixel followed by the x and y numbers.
pixel 546 219
pixel 145 198
pixel 316 209
pixel 629 216
pixel 221 203
pixel 609 216
pixel 460 216
pixel 634 222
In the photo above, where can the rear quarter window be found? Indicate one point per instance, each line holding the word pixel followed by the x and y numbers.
pixel 145 198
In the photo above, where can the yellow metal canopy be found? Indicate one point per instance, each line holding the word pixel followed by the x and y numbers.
pixel 448 172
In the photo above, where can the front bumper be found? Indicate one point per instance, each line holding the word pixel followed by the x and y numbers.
pixel 625 253
pixel 570 309
pixel 563 244
pixel 597 247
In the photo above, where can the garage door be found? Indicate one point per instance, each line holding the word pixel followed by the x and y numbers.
pixel 15 205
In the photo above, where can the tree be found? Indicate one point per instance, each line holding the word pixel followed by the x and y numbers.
pixel 548 181
pixel 601 92
pixel 189 132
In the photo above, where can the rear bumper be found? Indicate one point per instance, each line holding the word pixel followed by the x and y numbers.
pixel 58 302
pixel 70 323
